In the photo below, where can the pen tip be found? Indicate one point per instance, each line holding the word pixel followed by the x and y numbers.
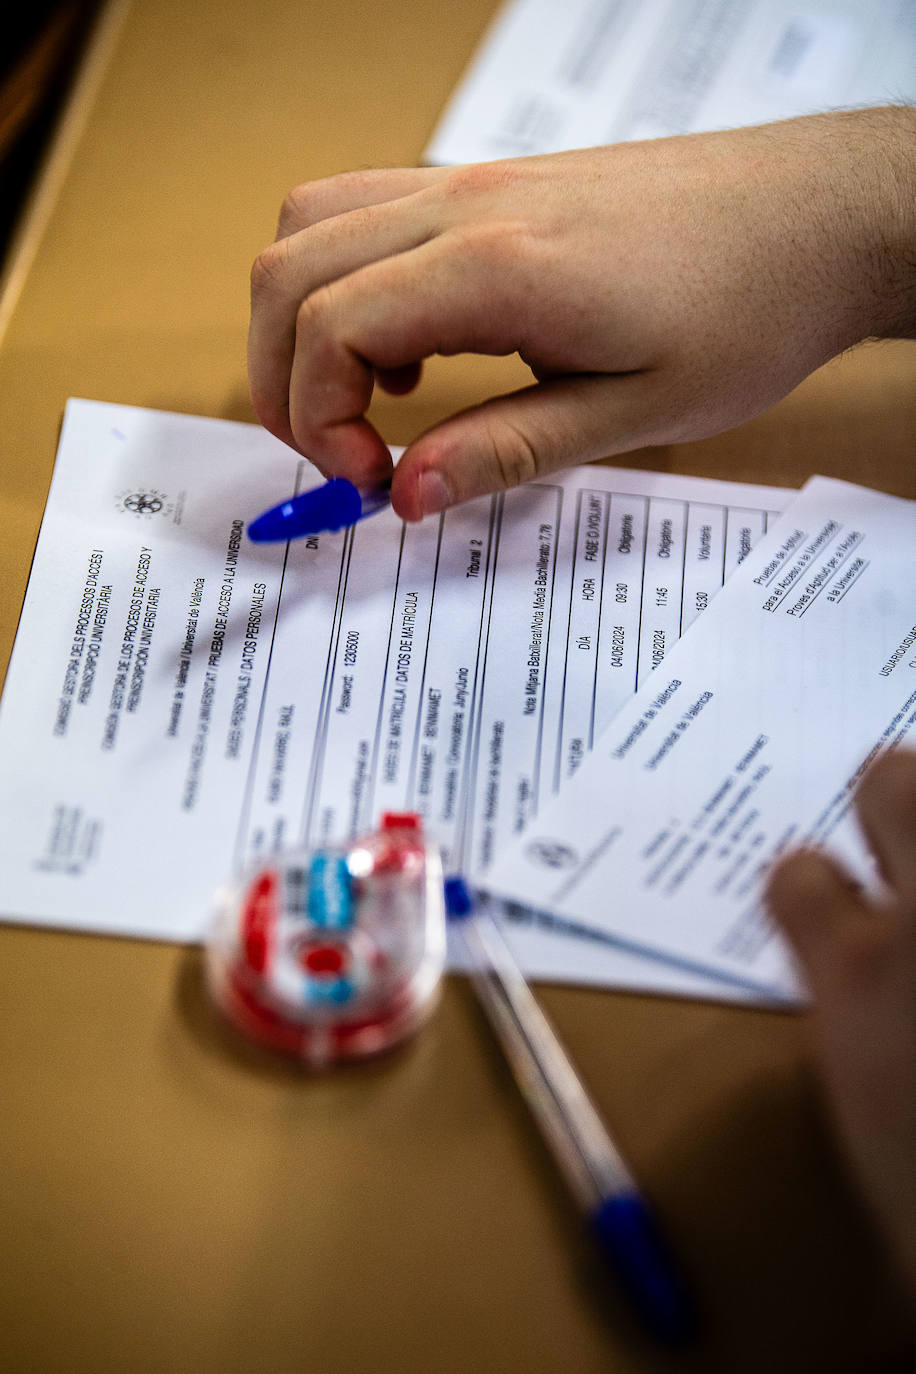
pixel 458 900
pixel 627 1235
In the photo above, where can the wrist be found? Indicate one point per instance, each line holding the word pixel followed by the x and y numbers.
pixel 873 219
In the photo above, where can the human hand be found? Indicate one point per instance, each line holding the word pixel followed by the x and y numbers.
pixel 659 291
pixel 859 957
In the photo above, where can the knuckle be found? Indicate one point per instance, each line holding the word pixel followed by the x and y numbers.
pixel 317 337
pixel 313 201
pixel 268 268
pixel 271 409
pixel 476 177
pixel 295 212
pixel 512 454
pixel 312 313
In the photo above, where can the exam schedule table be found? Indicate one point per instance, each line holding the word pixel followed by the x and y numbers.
pixel 171 1200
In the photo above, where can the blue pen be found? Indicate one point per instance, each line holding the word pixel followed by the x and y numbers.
pixel 322 510
pixel 617 1214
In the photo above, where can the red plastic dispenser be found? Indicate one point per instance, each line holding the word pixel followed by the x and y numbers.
pixel 335 953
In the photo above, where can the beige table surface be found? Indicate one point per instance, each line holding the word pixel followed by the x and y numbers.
pixel 173 1201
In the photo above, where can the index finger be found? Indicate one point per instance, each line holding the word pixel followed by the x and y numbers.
pixel 314 201
pixel 440 297
pixel 323 235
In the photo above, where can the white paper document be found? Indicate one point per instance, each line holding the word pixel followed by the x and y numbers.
pixel 749 738
pixel 587 72
pixel 181 701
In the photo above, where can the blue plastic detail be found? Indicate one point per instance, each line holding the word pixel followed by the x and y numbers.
pixel 323 509
pixel 628 1237
pixel 458 900
pixel 338 991
pixel 330 897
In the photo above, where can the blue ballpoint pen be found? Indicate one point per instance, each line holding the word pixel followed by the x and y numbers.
pixel 321 510
pixel 616 1212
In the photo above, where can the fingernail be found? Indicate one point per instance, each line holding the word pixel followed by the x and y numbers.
pixel 433 492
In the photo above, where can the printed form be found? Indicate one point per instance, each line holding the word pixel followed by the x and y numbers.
pixel 181 702
pixel 750 738
pixel 550 77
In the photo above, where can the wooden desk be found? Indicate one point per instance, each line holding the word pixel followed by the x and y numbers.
pixel 171 1201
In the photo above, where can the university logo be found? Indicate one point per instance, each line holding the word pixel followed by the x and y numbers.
pixel 143 503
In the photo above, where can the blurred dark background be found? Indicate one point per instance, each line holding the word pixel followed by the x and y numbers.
pixel 40 54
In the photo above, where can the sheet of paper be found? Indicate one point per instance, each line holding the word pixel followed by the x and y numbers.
pixel 181 701
pixel 748 739
pixel 587 72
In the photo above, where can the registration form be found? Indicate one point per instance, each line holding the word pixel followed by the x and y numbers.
pixel 181 701
pixel 749 739
pixel 587 72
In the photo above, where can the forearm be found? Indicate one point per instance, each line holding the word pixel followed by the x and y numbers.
pixel 862 166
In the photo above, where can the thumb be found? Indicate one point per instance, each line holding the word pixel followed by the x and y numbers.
pixel 820 912
pixel 525 435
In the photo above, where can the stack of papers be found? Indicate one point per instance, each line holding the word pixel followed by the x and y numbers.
pixel 181 702
pixel 749 738
pixel 587 72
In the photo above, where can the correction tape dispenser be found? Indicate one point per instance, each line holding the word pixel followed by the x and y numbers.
pixel 336 953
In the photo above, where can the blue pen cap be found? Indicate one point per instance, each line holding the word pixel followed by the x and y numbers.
pixel 334 506
pixel 629 1239
pixel 331 507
